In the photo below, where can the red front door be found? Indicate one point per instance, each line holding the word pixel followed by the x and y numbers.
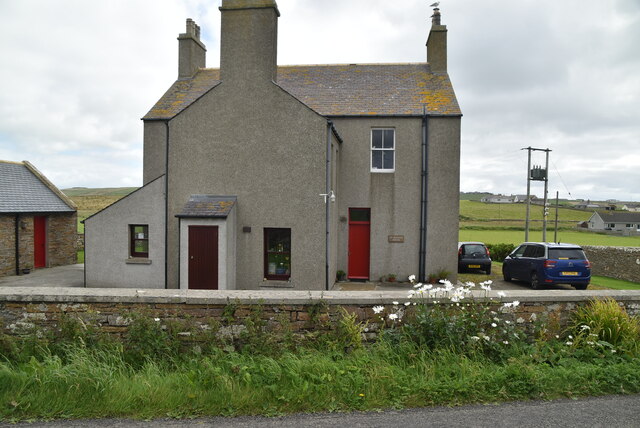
pixel 203 257
pixel 359 230
pixel 39 241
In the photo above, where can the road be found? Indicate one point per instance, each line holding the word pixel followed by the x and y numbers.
pixel 609 411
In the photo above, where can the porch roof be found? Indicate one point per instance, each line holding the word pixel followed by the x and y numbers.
pixel 208 206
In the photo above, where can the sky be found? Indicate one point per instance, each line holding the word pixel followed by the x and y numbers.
pixel 76 76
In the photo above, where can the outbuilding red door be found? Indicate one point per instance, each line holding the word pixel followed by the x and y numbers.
pixel 203 257
pixel 359 238
pixel 39 241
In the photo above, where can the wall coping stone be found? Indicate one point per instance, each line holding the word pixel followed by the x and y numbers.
pixel 278 297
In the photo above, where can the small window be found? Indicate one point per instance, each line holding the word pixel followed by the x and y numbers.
pixel 277 254
pixel 139 240
pixel 383 143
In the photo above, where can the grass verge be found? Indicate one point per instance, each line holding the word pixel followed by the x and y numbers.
pixel 616 284
pixel 91 385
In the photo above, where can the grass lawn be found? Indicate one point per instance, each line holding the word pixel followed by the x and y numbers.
pixel 598 282
pixel 517 237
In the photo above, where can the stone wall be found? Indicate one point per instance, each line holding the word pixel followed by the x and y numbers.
pixel 7 245
pixel 23 308
pixel 60 241
pixel 615 262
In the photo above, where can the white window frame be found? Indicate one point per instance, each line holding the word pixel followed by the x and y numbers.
pixel 392 149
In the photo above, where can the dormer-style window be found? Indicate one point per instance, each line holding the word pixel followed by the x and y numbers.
pixel 383 143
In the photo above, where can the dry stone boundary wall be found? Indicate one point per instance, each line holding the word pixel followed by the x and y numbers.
pixel 615 262
pixel 22 309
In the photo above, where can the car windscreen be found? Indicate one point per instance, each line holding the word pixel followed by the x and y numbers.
pixel 470 249
pixel 566 254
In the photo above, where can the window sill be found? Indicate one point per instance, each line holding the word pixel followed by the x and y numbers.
pixel 271 283
pixel 138 261
pixel 383 171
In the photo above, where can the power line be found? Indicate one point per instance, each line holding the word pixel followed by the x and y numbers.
pixel 561 179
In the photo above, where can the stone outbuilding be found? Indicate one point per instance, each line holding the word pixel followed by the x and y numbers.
pixel 261 176
pixel 38 223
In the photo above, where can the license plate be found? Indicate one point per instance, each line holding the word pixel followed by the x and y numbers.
pixel 569 273
pixel 474 266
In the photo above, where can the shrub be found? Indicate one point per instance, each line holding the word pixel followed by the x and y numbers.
pixel 500 251
pixel 605 324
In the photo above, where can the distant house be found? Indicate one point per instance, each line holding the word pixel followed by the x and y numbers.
pixel 615 221
pixel 38 223
pixel 262 176
pixel 631 207
pixel 587 206
pixel 502 199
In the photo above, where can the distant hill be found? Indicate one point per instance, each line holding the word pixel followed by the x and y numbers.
pixel 104 191
pixel 473 196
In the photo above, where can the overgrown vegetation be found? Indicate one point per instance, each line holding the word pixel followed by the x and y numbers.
pixel 458 351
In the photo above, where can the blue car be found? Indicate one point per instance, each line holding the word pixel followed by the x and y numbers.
pixel 540 264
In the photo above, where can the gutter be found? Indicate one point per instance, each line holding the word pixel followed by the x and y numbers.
pixel 423 197
pixel 327 203
pixel 166 211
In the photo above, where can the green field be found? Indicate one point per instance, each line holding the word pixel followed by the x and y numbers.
pixel 517 236
pixel 474 213
pixel 103 191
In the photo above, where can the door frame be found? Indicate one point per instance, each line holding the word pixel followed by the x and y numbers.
pixel 226 249
pixel 350 257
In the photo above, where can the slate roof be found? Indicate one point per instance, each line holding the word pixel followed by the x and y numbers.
pixel 337 90
pixel 619 216
pixel 25 190
pixel 208 206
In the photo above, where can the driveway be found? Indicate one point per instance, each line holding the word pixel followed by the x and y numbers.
pixel 61 276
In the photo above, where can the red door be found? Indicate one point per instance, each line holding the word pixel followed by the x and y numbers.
pixel 359 229
pixel 39 241
pixel 203 257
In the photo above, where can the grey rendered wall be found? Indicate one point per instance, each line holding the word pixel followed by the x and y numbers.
pixel 154 150
pixel 444 195
pixel 254 141
pixel 394 198
pixel 107 262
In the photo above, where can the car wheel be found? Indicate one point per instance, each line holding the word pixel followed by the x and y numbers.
pixel 506 274
pixel 535 282
pixel 580 286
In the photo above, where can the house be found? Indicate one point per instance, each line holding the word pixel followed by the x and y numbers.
pixel 264 176
pixel 512 199
pixel 615 221
pixel 38 223
pixel 631 207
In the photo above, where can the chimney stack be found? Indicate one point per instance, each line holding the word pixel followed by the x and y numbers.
pixel 249 40
pixel 191 51
pixel 437 44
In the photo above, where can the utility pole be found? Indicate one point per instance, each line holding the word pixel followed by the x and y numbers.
pixel 536 174
pixel 546 205
pixel 526 221
pixel 555 233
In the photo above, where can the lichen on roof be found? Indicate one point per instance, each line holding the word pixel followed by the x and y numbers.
pixel 337 90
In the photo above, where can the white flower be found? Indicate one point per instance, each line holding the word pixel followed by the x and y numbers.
pixel 569 343
pixel 412 278
pixel 407 303
pixel 494 324
pixel 501 294
pixel 475 338
pixel 520 321
pixel 585 327
pixel 613 351
pixel 393 316
pixel 507 322
pixel 515 303
pixel 156 319
pixel 570 337
pixel 378 309
pixel 469 284
pixel 506 342
pixel 395 303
